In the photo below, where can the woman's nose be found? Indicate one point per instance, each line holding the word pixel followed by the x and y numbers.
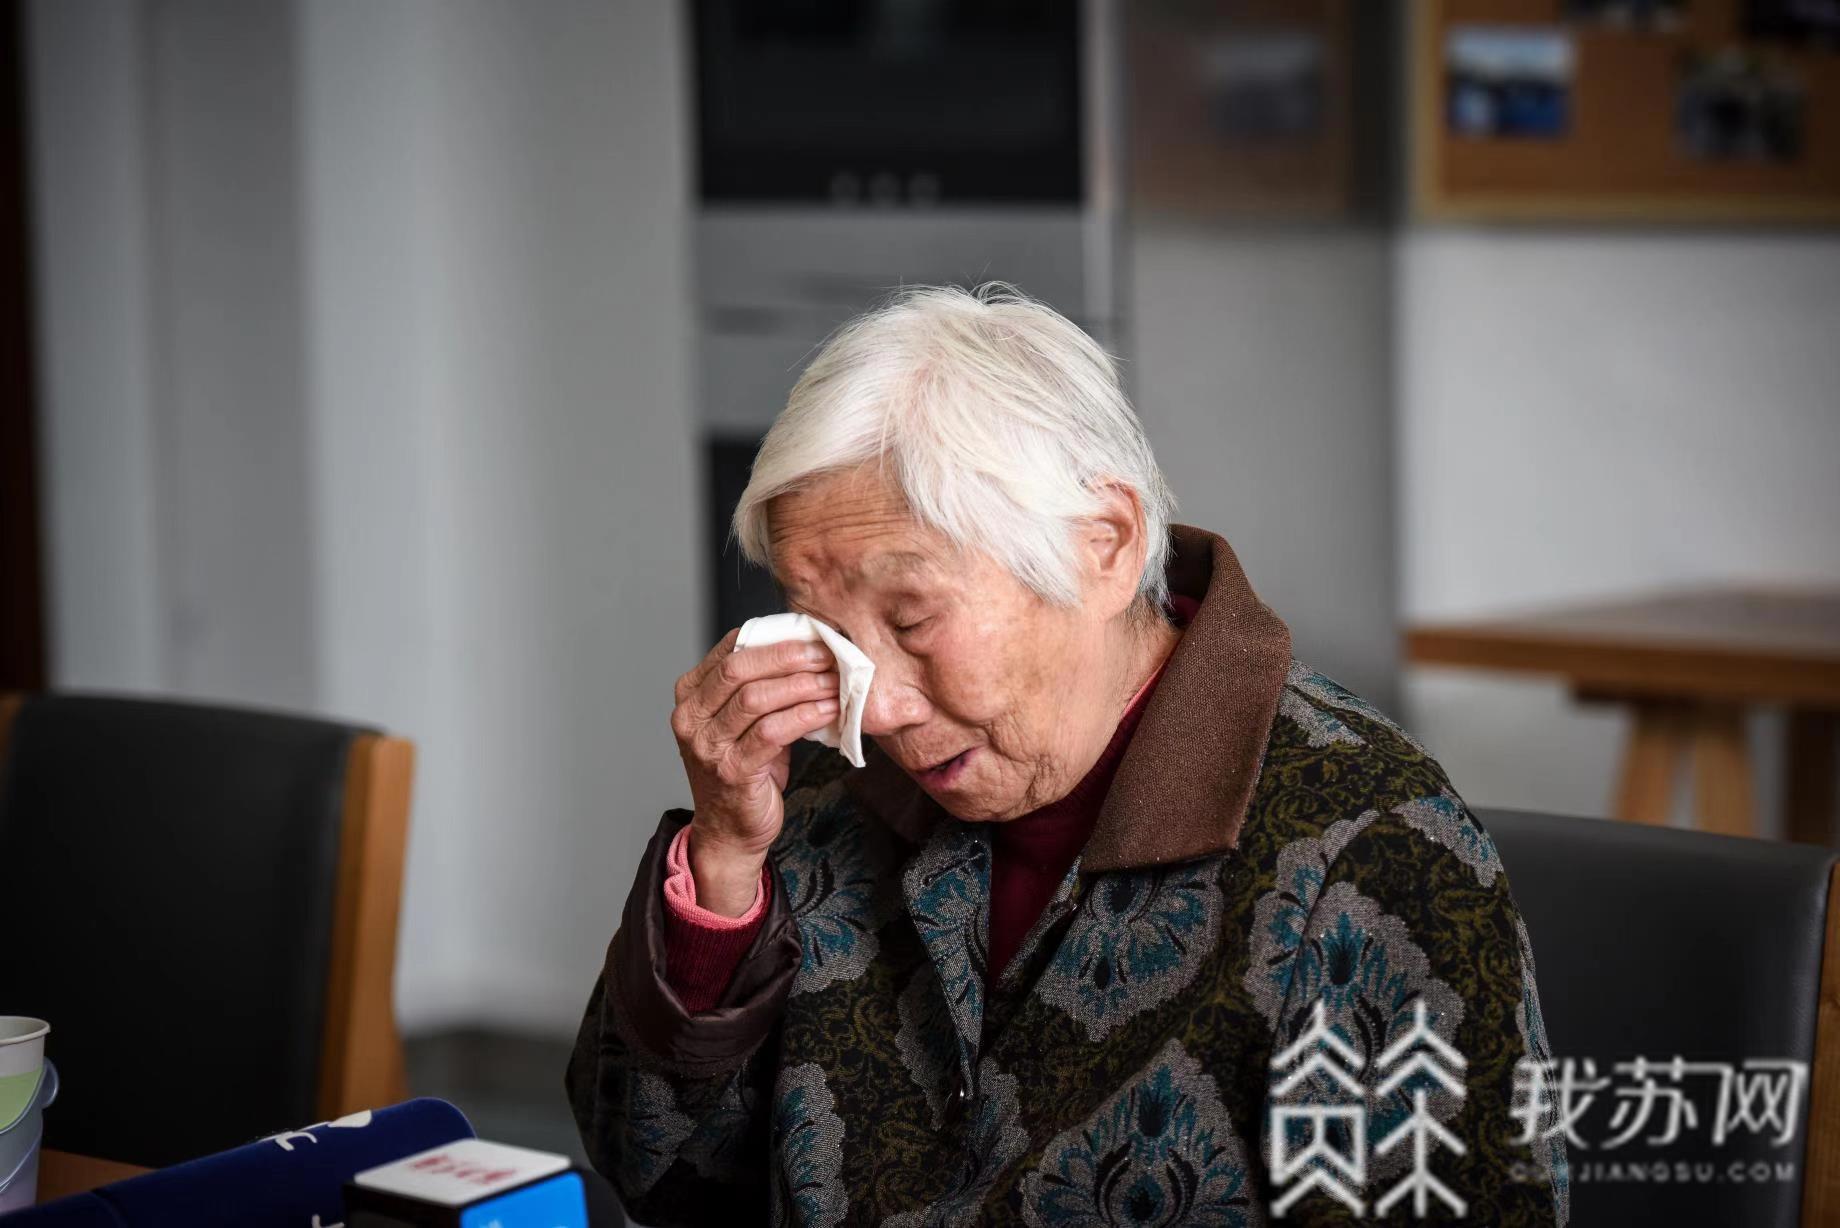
pixel 891 706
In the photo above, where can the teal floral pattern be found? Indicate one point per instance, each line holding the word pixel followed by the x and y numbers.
pixel 829 864
pixel 1137 942
pixel 1282 914
pixel 1364 968
pixel 1328 693
pixel 947 886
pixel 808 1141
pixel 1164 1151
pixel 1446 820
pixel 1323 728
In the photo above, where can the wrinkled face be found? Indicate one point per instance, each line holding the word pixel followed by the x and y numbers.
pixel 979 690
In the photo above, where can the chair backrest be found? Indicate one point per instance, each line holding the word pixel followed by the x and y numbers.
pixel 1655 943
pixel 203 903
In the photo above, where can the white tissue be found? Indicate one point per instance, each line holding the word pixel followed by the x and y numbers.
pixel 854 671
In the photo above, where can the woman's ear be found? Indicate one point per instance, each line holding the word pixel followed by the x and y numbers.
pixel 1112 542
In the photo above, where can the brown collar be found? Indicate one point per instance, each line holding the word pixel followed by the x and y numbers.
pixel 1186 780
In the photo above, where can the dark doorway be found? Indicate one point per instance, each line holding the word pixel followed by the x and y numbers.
pixel 22 604
pixel 742 590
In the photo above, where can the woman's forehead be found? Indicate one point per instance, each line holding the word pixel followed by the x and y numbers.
pixel 869 567
pixel 847 530
pixel 852 501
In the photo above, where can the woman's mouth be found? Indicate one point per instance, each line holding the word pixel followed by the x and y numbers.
pixel 946 774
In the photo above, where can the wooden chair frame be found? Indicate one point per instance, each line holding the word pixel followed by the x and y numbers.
pixel 361 1053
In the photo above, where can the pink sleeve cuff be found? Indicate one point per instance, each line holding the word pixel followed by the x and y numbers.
pixel 680 890
pixel 703 948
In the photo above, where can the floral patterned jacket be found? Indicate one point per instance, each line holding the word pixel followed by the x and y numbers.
pixel 1285 976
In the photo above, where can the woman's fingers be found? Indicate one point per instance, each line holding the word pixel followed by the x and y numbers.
pixel 720 676
pixel 738 711
pixel 756 701
pixel 693 678
pixel 766 739
pixel 734 717
pixel 763 696
pixel 703 692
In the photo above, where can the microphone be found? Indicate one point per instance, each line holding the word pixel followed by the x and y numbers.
pixel 472 1183
pixel 290 1180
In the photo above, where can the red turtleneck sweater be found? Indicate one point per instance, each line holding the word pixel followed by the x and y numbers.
pixel 1029 857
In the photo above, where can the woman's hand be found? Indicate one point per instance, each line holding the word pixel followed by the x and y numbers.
pixel 737 714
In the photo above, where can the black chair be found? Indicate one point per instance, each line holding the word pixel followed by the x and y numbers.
pixel 1654 943
pixel 203 903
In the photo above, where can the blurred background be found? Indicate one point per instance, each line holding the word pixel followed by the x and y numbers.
pixel 400 360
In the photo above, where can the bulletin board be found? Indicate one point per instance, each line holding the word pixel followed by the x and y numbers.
pixel 1628 110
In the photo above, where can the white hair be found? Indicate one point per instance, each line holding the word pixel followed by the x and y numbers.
pixel 999 418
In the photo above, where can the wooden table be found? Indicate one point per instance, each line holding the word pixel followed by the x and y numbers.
pixel 1689 665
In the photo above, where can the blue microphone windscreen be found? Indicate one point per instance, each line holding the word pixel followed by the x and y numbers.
pixel 282 1181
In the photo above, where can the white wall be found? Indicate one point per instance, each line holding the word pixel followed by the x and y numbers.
pixel 87 81
pixel 372 215
pixel 1262 367
pixel 390 351
pixel 1597 413
pixel 165 203
pixel 566 485
pixel 235 506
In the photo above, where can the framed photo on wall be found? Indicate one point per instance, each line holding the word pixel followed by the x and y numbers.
pixel 1625 110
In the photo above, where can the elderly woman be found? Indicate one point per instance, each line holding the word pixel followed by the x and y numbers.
pixel 1129 918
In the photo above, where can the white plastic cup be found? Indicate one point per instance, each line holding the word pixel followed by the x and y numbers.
pixel 27 1085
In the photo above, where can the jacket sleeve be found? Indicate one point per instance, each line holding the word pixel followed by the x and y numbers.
pixel 703 948
pixel 1413 910
pixel 672 1105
